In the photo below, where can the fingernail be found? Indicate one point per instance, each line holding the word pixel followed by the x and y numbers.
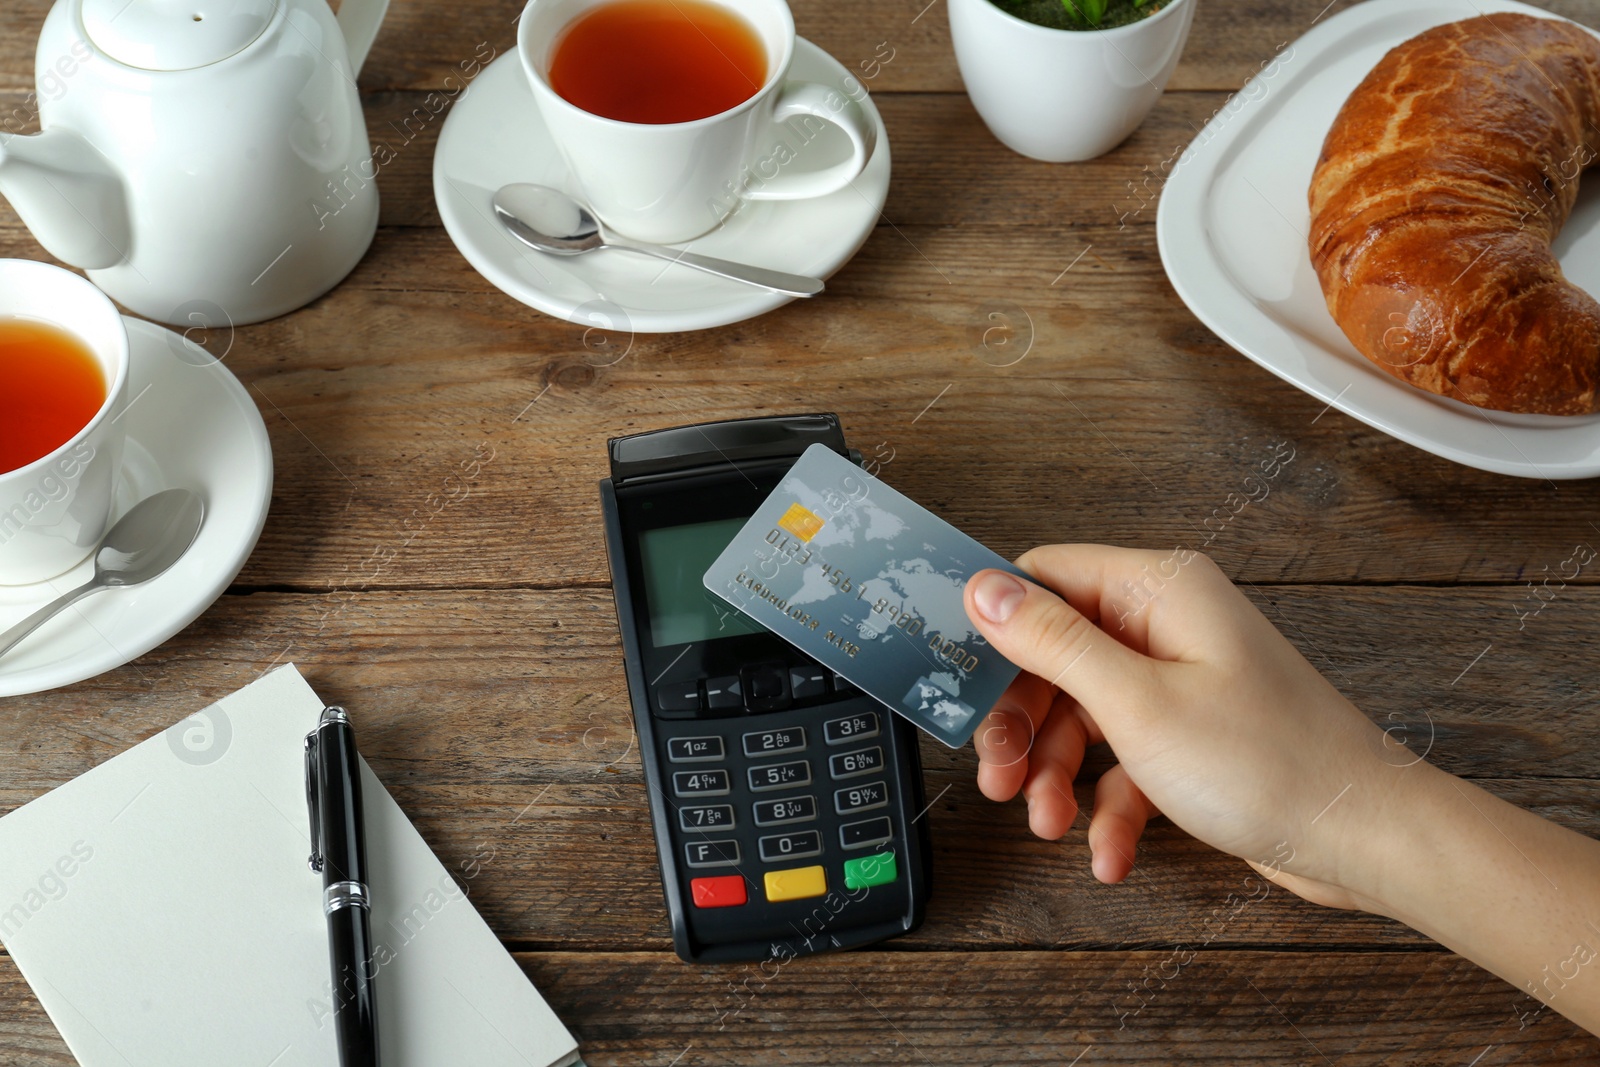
pixel 996 595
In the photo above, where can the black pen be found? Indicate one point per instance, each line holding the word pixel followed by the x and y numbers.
pixel 339 851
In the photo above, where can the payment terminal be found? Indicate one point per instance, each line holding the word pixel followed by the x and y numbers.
pixel 787 805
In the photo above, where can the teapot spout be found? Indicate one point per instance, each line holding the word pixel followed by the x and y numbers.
pixel 68 195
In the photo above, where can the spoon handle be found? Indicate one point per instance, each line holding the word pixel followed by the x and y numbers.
pixel 776 280
pixel 11 637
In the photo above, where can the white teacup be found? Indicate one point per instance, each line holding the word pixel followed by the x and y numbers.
pixel 54 511
pixel 670 182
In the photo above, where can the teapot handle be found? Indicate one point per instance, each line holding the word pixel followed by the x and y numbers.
pixel 359 21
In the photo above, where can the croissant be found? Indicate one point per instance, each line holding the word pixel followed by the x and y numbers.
pixel 1445 177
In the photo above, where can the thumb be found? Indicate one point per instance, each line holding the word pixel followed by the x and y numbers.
pixel 1045 636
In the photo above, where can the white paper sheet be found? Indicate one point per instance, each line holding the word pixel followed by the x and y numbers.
pixel 162 909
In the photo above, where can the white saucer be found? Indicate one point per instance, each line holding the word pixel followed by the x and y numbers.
pixel 190 425
pixel 494 136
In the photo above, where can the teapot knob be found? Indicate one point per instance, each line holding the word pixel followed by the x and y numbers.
pixel 167 35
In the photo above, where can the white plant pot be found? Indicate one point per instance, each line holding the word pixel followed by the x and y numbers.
pixel 1064 95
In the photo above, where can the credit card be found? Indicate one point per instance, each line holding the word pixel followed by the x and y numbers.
pixel 868 583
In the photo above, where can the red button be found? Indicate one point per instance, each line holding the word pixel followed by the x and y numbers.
pixel 723 891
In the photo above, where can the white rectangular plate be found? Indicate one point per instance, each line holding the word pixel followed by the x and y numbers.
pixel 1232 229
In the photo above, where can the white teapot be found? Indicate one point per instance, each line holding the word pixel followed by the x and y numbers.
pixel 206 161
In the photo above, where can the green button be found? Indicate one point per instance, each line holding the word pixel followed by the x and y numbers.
pixel 868 871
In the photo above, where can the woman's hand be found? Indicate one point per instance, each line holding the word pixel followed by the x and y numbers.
pixel 1215 719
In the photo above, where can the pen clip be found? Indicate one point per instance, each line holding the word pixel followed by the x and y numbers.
pixel 312 799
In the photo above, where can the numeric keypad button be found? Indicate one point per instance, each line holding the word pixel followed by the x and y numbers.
pixel 780 776
pixel 694 749
pixel 700 783
pixel 863 797
pixel 851 764
pixel 785 810
pixel 867 832
pixel 775 742
pixel 723 853
pixel 699 820
pixel 857 727
pixel 791 846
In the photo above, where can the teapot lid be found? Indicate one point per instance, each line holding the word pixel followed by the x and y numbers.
pixel 175 34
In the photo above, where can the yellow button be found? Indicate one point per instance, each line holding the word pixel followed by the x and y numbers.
pixel 796 883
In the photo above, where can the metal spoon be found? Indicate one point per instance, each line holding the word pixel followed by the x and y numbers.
pixel 551 221
pixel 152 536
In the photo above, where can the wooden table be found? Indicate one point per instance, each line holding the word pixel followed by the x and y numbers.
pixel 469 619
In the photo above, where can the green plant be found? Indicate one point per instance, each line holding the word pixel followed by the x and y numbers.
pixel 1090 12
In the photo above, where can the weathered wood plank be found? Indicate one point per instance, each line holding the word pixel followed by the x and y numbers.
pixel 409 461
pixel 379 393
pixel 946 171
pixel 423 43
pixel 1356 1009
pixel 1420 1009
pixel 379 398
pixel 500 723
pixel 369 436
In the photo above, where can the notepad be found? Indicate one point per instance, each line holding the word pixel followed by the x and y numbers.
pixel 162 909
